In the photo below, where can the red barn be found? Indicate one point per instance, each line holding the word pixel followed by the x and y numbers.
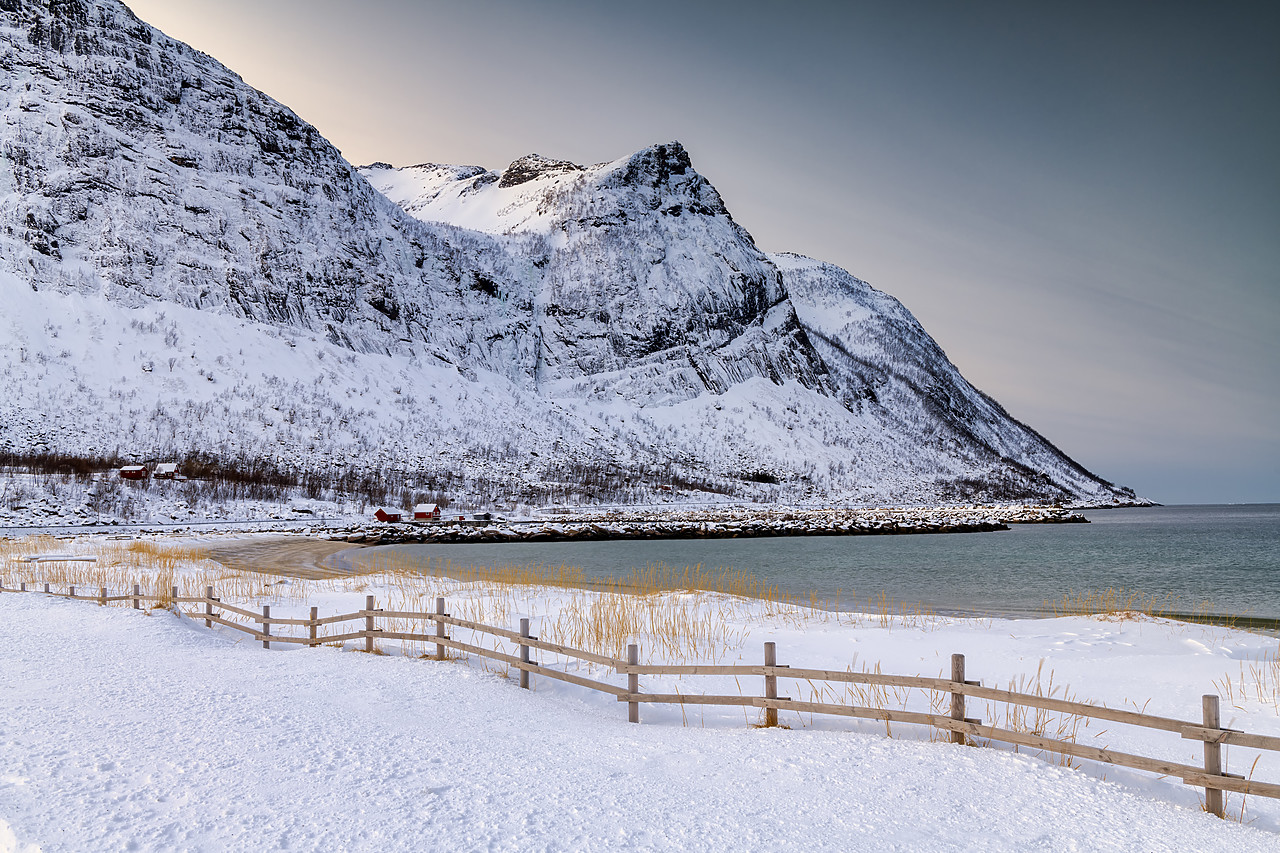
pixel 388 515
pixel 133 472
pixel 422 511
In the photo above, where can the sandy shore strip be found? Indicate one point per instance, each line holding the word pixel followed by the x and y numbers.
pixel 289 556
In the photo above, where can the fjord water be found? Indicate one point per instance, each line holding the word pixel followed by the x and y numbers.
pixel 1225 559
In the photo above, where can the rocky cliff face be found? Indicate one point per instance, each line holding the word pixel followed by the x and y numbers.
pixel 534 324
pixel 141 169
pixel 645 286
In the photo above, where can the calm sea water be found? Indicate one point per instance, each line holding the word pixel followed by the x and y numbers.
pixel 1228 556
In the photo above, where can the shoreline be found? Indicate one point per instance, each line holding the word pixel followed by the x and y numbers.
pixel 311 553
pixel 315 558
pixel 288 556
pixel 457 534
pixel 722 524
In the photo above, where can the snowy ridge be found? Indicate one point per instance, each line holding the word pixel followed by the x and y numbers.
pixel 890 363
pixel 856 381
pixel 179 249
pixel 641 266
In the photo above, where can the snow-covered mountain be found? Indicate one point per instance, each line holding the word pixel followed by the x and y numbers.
pixel 652 293
pixel 187 265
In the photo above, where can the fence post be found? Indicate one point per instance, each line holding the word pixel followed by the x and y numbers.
pixel 137 594
pixel 440 628
pixel 208 605
pixel 633 683
pixel 71 591
pixel 368 623
pixel 770 684
pixel 102 596
pixel 23 586
pixel 524 653
pixel 46 589
pixel 957 699
pixel 315 612
pixel 176 608
pixel 1213 800
pixel 266 625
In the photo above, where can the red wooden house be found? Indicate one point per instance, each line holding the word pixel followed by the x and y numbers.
pixel 425 511
pixel 388 514
pixel 133 472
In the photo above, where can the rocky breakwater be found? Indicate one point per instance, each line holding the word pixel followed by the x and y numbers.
pixel 727 523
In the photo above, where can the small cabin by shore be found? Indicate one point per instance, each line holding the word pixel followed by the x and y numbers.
pixel 133 472
pixel 426 511
pixel 384 514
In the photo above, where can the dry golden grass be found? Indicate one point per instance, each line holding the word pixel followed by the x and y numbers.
pixel 654 577
pixel 682 613
pixel 1256 680
pixel 155 567
pixel 676 624
pixel 1037 721
pixel 1237 813
pixel 1119 603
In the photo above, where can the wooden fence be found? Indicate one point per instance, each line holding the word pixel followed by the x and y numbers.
pixel 1212 776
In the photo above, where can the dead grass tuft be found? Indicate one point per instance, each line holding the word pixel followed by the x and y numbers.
pixel 1117 603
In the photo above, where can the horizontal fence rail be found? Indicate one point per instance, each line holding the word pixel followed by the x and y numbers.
pixel 1212 776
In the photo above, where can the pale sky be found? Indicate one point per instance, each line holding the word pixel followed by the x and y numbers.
pixel 1080 202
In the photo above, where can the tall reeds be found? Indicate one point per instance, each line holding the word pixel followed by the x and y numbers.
pixel 1256 680
pixel 1120 603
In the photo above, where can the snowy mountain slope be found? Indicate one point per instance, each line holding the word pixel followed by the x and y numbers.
pixel 186 259
pixel 648 287
pixel 888 363
pixel 841 384
pixel 141 169
pixel 90 376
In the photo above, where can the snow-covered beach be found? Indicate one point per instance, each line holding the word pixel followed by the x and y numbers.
pixel 145 730
pixel 554 504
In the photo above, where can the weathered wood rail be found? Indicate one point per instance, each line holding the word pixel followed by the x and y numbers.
pixel 1212 776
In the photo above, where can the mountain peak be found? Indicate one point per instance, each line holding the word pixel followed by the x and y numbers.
pixel 656 164
pixel 532 166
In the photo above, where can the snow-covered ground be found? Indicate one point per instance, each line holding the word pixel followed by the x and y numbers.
pixel 135 730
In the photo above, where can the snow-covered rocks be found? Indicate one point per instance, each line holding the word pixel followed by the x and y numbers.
pixel 712 523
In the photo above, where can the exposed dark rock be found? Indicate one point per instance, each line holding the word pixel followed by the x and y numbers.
pixel 533 166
